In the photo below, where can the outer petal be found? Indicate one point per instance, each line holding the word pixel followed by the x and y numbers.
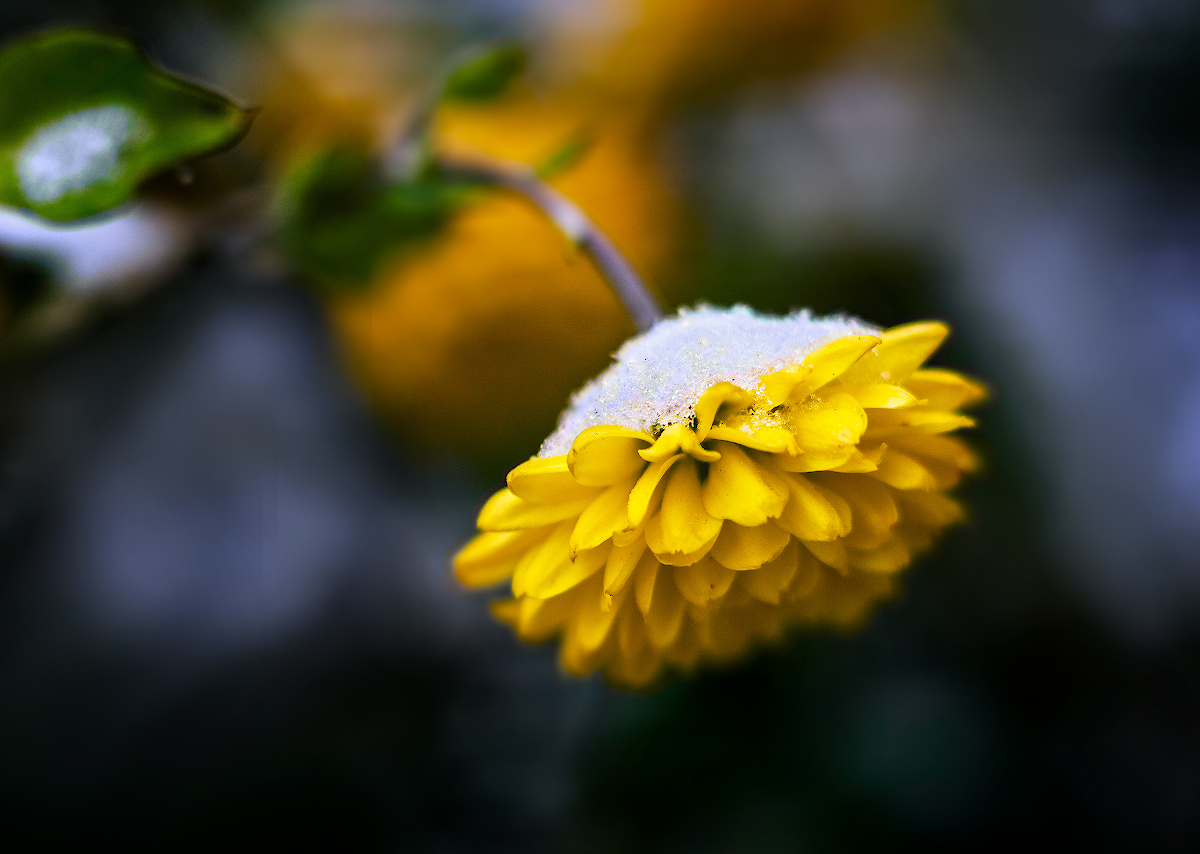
pixel 901 471
pixel 504 511
pixel 646 495
pixel 606 515
pixel 666 613
pixel 718 396
pixel 880 395
pixel 889 423
pixel 742 491
pixel 491 558
pixel 900 352
pixel 605 454
pixel 677 437
pixel 831 361
pixel 889 557
pixel 566 574
pixel 593 624
pixel 622 561
pixel 777 387
pixel 831 421
pixel 943 389
pixel 741 548
pixel 703 582
pixel 831 554
pixel 769 581
pixel 542 480
pixel 813 512
pixel 762 433
pixel 683 526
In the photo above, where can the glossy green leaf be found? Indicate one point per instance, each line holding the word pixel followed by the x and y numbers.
pixel 342 217
pixel 85 118
pixel 485 74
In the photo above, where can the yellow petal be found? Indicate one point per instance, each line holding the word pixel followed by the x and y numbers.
pixel 504 511
pixel 506 611
pixel 880 395
pixel 932 509
pixel 703 582
pixel 719 395
pixel 538 620
pixel 831 554
pixel 645 580
pixel 872 505
pixel 682 526
pixel 829 422
pixel 684 652
pixel 543 480
pixel 542 558
pixel 889 557
pixel 677 437
pixel 943 389
pixel 490 558
pixel 858 463
pixel 606 515
pixel 889 423
pixel 740 490
pixel 631 631
pixel 629 535
pixel 831 361
pixel 637 670
pixel 666 612
pixel 773 440
pixel 593 624
pixel 654 539
pixel 816 460
pixel 900 352
pixel 809 573
pixel 622 561
pixel 777 387
pixel 901 471
pixel 605 454
pixel 947 450
pixel 566 575
pixel 768 582
pixel 740 547
pixel 646 495
pixel 813 512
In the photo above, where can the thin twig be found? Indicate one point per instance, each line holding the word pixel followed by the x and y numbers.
pixel 572 222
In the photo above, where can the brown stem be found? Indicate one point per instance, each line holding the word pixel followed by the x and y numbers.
pixel 572 222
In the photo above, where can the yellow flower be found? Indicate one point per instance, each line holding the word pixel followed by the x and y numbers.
pixel 729 477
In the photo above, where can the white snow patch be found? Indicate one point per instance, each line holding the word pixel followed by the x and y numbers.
pixel 659 375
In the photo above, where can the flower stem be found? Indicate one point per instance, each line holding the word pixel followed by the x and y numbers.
pixel 572 222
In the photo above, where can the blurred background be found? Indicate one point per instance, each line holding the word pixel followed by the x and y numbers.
pixel 231 481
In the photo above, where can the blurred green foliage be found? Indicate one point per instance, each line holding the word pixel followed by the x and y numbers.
pixel 85 118
pixel 341 216
pixel 485 74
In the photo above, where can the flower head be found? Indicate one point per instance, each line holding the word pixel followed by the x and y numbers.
pixel 730 476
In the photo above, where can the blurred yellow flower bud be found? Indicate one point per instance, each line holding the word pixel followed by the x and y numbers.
pixel 472 342
pixel 666 52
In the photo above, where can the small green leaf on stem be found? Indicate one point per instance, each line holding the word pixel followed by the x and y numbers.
pixel 485 74
pixel 341 217
pixel 565 156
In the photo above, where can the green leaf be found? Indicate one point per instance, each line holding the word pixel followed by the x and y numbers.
pixel 565 156
pixel 485 74
pixel 85 118
pixel 341 218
